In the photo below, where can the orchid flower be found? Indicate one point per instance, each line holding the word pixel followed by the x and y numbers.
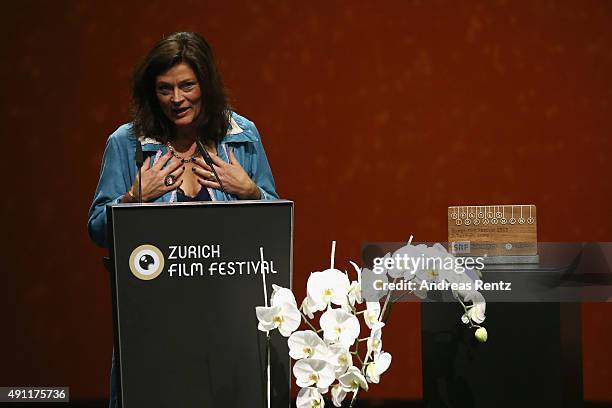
pixel 406 255
pixel 311 371
pixel 379 365
pixel 307 344
pixel 339 326
pixel 338 394
pixel 282 314
pixel 432 266
pixel 477 312
pixel 352 380
pixel 340 357
pixel 375 339
pixel 373 285
pixel 372 313
pixel 309 398
pixel 329 286
pixel 307 308
pixel 354 293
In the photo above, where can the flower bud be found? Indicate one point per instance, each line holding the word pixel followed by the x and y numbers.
pixel 481 334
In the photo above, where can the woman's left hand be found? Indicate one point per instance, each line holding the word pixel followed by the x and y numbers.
pixel 233 177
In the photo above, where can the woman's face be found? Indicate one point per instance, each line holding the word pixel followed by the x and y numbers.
pixel 179 94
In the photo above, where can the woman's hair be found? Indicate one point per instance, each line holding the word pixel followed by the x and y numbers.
pixel 190 48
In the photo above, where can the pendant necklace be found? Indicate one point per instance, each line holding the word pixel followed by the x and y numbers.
pixel 181 158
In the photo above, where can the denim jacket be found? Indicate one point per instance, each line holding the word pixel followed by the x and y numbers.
pixel 119 168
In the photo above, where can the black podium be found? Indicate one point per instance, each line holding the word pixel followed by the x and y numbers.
pixel 186 280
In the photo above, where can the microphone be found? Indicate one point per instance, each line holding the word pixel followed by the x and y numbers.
pixel 139 159
pixel 209 161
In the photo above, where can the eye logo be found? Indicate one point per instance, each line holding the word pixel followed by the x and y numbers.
pixel 146 262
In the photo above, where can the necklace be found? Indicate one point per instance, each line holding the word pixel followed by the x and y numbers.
pixel 181 158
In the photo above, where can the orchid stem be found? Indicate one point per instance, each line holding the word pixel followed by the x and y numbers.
pixel 354 398
pixel 465 310
pixel 308 323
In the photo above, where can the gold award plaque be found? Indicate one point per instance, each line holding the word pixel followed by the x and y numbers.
pixel 493 230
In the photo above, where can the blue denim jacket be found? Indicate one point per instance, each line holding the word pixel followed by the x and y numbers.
pixel 119 168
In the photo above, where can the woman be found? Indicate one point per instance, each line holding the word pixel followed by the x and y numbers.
pixel 178 98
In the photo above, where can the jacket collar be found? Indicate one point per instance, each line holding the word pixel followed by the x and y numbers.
pixel 234 134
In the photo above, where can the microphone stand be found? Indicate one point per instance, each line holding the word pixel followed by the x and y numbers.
pixel 139 158
pixel 209 161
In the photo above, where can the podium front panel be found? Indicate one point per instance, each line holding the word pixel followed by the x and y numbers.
pixel 186 283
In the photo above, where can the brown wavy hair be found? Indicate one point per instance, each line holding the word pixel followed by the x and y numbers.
pixel 193 49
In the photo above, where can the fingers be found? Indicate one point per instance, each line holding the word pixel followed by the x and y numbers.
pixel 178 184
pixel 178 172
pixel 217 161
pixel 173 164
pixel 209 184
pixel 204 174
pixel 146 164
pixel 201 163
pixel 161 162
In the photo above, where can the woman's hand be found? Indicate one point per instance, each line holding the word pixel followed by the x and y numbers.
pixel 233 177
pixel 153 185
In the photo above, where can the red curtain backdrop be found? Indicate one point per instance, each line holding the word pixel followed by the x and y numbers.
pixel 375 116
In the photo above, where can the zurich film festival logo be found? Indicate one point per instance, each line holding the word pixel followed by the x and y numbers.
pixel 146 262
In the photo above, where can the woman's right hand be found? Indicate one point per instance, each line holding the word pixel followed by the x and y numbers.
pixel 153 185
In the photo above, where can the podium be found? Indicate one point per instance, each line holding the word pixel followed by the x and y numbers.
pixel 186 279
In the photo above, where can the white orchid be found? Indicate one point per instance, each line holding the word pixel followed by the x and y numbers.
pixel 311 371
pixel 282 295
pixel 404 265
pixel 339 326
pixel 309 398
pixel 354 293
pixel 282 314
pixel 307 344
pixel 373 285
pixel 340 357
pixel 431 267
pixel 381 267
pixel 476 312
pixel 324 356
pixel 338 394
pixel 307 308
pixel 437 270
pixel 372 313
pixel 352 380
pixel 375 339
pixel 329 286
pixel 379 365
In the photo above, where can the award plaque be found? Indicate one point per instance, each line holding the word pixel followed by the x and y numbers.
pixel 493 230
